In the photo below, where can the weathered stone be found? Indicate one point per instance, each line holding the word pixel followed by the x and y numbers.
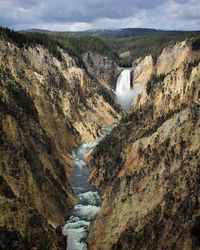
pixel 150 196
pixel 102 68
pixel 46 107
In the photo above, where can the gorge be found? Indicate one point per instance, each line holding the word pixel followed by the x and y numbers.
pixel 88 205
pixel 76 228
pixel 105 154
pixel 47 106
pixel 147 169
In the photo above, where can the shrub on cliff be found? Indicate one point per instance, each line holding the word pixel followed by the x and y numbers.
pixel 153 82
pixel 31 39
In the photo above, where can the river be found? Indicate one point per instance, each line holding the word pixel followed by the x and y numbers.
pixel 76 227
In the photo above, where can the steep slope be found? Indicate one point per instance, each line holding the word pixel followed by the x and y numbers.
pixel 170 59
pixel 46 107
pixel 102 68
pixel 147 169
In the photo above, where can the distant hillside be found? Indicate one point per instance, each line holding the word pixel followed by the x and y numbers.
pixel 139 42
pixel 131 32
pixel 141 46
pixel 118 33
pixel 74 45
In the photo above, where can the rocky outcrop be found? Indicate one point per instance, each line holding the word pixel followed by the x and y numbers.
pixel 46 107
pixel 125 54
pixel 143 69
pixel 147 169
pixel 171 58
pixel 102 68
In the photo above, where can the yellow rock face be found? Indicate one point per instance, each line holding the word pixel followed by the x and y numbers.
pixel 9 128
pixel 172 57
pixel 143 70
pixel 47 106
pixel 147 169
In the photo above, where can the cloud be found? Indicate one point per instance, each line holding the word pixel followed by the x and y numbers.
pixel 84 14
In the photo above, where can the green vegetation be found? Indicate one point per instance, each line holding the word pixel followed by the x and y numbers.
pixel 74 45
pixel 14 91
pixel 82 44
pixel 141 46
pixel 192 64
pixel 23 100
pixel 79 44
pixel 31 39
pixel 196 44
pixel 140 42
pixel 153 82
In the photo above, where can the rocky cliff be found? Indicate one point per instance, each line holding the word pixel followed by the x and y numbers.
pixel 171 58
pixel 102 68
pixel 46 107
pixel 143 69
pixel 147 170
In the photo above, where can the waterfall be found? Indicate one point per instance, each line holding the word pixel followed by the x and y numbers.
pixel 125 93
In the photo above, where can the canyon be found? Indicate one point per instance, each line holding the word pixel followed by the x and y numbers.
pixel 47 107
pixel 53 116
pixel 147 169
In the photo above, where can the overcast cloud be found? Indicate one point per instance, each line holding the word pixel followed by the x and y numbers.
pixel 100 14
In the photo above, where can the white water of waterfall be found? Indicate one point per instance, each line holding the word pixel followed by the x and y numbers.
pixel 125 94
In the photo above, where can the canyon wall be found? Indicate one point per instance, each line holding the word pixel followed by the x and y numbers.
pixel 147 170
pixel 143 69
pixel 102 68
pixel 46 107
pixel 170 59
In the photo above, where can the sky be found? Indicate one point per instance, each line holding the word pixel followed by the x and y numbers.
pixel 78 15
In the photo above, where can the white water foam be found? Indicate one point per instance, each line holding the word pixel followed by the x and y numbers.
pixel 85 212
pixel 76 224
pixel 75 237
pixel 89 198
pixel 125 94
